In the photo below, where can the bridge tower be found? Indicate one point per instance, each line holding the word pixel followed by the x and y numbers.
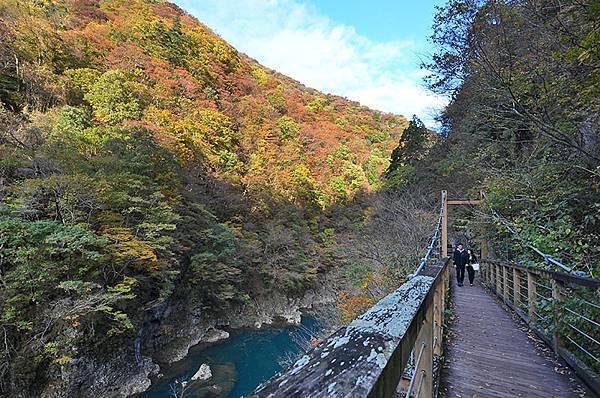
pixel 457 202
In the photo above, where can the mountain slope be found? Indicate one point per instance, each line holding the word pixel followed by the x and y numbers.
pixel 152 177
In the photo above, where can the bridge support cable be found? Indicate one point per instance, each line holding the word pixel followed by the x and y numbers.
pixel 435 239
pixel 548 259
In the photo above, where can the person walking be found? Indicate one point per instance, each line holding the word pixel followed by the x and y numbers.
pixel 471 260
pixel 460 258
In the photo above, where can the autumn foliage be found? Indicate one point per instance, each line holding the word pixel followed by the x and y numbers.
pixel 143 159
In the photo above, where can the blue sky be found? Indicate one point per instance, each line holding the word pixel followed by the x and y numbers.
pixel 383 20
pixel 368 51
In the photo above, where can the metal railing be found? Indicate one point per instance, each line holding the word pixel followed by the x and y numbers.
pixel 562 309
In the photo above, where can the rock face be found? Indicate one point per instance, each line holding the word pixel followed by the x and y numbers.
pixel 276 308
pixel 203 373
pixel 175 335
pixel 214 335
pixel 115 379
pixel 169 331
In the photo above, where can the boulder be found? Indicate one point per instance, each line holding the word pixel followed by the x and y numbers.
pixel 203 373
pixel 214 335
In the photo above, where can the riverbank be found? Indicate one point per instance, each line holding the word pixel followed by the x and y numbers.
pixel 240 363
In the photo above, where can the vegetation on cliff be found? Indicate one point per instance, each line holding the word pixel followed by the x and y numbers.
pixel 143 159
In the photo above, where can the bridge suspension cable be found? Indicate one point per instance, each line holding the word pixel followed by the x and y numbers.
pixel 435 238
pixel 548 259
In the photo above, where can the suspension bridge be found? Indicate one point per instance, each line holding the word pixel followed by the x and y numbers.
pixel 431 338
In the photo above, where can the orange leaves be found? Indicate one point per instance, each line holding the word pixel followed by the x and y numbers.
pixel 248 124
pixel 352 306
pixel 208 104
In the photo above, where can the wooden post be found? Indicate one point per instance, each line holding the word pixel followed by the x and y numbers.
pixel 531 297
pixel 438 317
pixel 483 271
pixel 498 280
pixel 516 287
pixel 444 241
pixel 557 297
pixel 484 249
pixel 446 285
pixel 505 296
pixel 425 369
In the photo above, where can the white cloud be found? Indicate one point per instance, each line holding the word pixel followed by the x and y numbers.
pixel 294 39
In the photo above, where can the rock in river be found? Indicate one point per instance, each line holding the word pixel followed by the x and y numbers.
pixel 203 373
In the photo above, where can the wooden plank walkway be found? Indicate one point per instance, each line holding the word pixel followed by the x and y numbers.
pixel 489 355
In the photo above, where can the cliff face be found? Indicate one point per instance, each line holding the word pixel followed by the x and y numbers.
pixel 168 332
pixel 153 182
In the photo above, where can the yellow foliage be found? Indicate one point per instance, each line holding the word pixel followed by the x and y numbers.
pixel 127 249
pixel 203 135
pixel 62 360
pixel 260 75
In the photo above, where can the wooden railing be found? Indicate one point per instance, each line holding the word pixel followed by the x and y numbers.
pixel 562 309
pixel 368 357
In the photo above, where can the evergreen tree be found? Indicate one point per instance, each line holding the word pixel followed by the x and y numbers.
pixel 410 146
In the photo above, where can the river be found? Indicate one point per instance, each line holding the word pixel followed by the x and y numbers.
pixel 238 364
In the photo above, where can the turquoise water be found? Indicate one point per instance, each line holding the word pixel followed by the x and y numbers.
pixel 239 364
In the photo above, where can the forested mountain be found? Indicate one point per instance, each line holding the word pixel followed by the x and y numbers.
pixel 523 125
pixel 154 178
pixel 156 184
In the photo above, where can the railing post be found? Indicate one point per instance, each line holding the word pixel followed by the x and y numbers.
pixel 498 279
pixel 424 372
pixel 444 240
pixel 483 272
pixel 531 297
pixel 484 250
pixel 557 297
pixel 516 287
pixel 505 296
pixel 438 316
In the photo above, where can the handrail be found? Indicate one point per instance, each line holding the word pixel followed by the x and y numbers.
pixel 367 358
pixel 435 238
pixel 553 324
pixel 591 283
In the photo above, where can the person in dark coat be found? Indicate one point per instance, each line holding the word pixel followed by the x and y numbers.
pixel 460 258
pixel 472 259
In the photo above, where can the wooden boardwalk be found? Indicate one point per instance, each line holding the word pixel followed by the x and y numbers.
pixel 489 355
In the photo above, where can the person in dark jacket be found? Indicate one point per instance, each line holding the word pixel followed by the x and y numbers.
pixel 460 258
pixel 472 259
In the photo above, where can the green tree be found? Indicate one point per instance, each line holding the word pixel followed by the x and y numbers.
pixel 114 98
pixel 288 128
pixel 410 147
pixel 214 269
